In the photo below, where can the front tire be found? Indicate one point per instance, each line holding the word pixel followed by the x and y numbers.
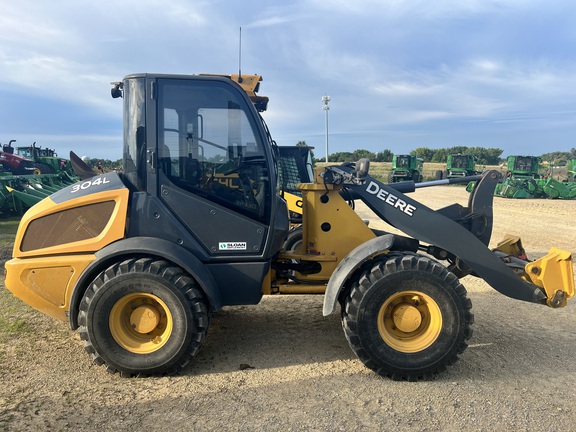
pixel 407 318
pixel 143 317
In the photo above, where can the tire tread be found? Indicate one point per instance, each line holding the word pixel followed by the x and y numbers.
pixel 154 268
pixel 380 268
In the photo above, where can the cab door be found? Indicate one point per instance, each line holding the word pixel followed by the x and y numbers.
pixel 213 165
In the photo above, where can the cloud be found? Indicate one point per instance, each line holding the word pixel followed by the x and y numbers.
pixel 391 67
pixel 270 21
pixel 477 89
pixel 422 9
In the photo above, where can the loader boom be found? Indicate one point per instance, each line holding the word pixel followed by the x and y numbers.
pixel 463 232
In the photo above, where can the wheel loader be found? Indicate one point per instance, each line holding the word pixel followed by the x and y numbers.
pixel 138 261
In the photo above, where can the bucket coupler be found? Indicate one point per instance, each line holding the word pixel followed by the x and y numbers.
pixel 550 272
pixel 463 232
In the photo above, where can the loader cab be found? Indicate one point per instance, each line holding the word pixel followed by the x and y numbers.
pixel 196 144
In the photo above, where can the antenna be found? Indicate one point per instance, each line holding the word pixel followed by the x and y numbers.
pixel 240 58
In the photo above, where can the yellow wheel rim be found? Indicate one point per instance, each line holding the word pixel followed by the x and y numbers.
pixel 141 323
pixel 409 321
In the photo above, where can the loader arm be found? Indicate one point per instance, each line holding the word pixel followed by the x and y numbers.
pixel 441 229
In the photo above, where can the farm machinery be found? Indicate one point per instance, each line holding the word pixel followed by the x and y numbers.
pixel 23 183
pixel 406 168
pixel 523 167
pixel 46 161
pixel 458 165
pixel 295 167
pixel 138 261
pixel 524 180
pixel 15 164
pixel 572 171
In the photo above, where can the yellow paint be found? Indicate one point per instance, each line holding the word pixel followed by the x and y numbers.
pixel 409 321
pixel 294 202
pixel 331 228
pixel 114 229
pixel 141 323
pixel 46 283
pixel 553 272
pixel 44 278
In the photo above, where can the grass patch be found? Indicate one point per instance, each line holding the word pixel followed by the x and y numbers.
pixel 8 228
pixel 9 225
pixel 14 316
pixel 15 327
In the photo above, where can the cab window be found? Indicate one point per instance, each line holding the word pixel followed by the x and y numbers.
pixel 209 145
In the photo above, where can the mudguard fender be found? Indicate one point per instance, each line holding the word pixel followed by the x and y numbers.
pixel 351 263
pixel 145 246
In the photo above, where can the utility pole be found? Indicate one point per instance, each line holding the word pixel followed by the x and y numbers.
pixel 326 108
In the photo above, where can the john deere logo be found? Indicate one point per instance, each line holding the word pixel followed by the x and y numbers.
pixel 232 245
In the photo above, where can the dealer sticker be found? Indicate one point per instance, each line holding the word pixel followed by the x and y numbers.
pixel 232 245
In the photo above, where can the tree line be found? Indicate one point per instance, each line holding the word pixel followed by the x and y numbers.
pixel 484 156
pixel 106 163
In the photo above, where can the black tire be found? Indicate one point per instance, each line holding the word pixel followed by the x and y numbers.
pixel 294 239
pixel 438 175
pixel 143 317
pixel 40 168
pixel 407 318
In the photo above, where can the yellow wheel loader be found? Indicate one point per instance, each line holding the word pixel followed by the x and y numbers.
pixel 139 260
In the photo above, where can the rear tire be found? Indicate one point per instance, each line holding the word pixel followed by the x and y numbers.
pixel 143 317
pixel 407 318
pixel 40 168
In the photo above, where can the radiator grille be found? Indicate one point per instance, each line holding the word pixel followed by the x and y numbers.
pixel 67 226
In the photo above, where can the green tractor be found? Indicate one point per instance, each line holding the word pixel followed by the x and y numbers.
pixel 405 168
pixel 46 161
pixel 458 165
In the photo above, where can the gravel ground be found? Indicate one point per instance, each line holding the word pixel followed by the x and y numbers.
pixel 282 366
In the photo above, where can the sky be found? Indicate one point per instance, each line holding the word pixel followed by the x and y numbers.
pixel 400 74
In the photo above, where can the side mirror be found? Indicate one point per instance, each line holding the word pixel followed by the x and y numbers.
pixel 116 91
